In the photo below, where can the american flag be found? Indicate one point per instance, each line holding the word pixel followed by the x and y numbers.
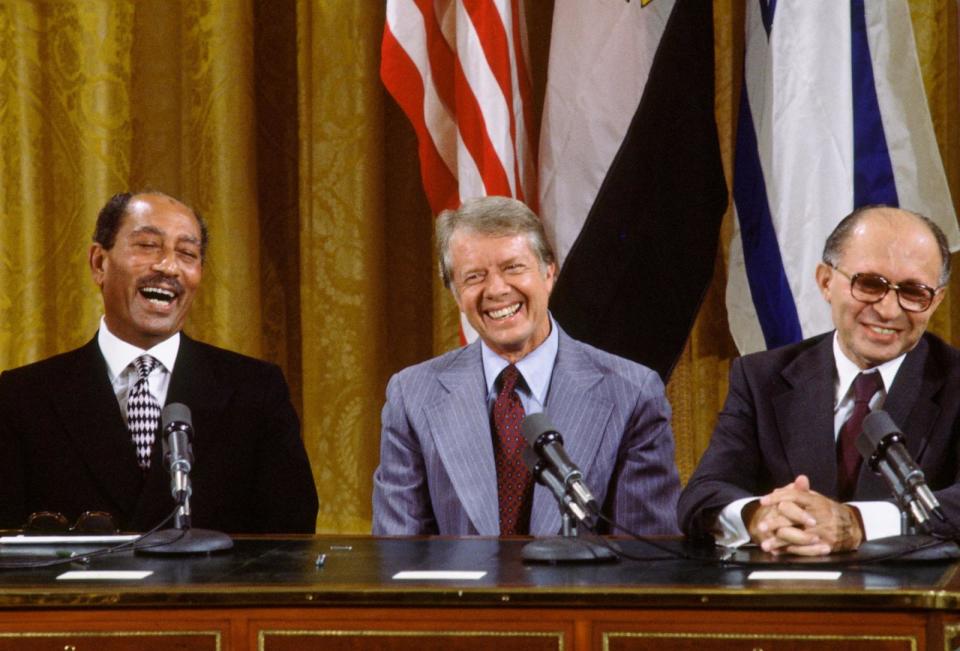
pixel 458 69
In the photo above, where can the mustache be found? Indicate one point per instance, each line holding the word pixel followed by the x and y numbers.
pixel 160 280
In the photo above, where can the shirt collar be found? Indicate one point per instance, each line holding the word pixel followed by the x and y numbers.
pixel 847 371
pixel 119 354
pixel 536 367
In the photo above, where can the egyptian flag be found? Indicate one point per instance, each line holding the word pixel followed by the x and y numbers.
pixel 632 188
pixel 833 116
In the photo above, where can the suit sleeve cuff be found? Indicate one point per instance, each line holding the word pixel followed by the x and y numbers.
pixel 730 530
pixel 880 519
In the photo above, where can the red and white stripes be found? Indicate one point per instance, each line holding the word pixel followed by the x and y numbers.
pixel 458 70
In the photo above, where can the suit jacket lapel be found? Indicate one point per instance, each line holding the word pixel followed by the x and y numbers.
pixel 911 405
pixel 804 415
pixel 194 382
pixel 460 426
pixel 88 409
pixel 910 400
pixel 579 409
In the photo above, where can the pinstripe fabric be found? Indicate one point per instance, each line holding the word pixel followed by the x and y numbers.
pixel 437 474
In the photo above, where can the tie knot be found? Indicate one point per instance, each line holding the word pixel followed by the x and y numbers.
pixel 145 365
pixel 865 385
pixel 508 379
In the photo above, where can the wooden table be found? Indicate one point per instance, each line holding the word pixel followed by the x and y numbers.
pixel 269 593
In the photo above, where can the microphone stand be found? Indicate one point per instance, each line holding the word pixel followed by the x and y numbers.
pixel 916 540
pixel 906 529
pixel 910 518
pixel 183 539
pixel 178 457
pixel 568 547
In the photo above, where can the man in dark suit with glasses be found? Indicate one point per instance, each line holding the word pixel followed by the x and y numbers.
pixel 782 469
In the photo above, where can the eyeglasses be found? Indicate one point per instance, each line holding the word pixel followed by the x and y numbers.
pixel 871 288
pixel 89 522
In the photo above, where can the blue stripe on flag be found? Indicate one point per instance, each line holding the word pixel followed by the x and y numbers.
pixel 767 9
pixel 772 298
pixel 872 170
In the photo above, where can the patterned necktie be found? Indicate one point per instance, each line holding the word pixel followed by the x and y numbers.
pixel 848 457
pixel 514 481
pixel 143 411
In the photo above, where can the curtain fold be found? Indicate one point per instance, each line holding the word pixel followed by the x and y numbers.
pixel 64 134
pixel 270 118
pixel 343 279
pixel 217 171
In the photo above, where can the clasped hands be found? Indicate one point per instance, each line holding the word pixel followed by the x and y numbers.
pixel 793 519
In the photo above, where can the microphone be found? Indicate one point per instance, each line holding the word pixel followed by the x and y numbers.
pixel 881 444
pixel 548 445
pixel 177 427
pixel 543 474
pixel 182 538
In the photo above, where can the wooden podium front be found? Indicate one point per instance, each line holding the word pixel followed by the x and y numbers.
pixel 270 594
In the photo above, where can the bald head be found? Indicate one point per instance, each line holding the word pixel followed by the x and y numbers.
pixel 882 275
pixel 894 218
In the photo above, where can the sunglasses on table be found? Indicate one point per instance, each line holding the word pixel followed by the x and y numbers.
pixel 89 522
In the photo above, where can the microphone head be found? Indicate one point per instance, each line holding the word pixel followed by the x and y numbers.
pixel 877 425
pixel 536 425
pixel 176 412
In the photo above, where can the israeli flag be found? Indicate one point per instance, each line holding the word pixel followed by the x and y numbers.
pixel 833 116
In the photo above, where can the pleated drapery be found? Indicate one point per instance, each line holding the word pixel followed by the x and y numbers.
pixel 269 117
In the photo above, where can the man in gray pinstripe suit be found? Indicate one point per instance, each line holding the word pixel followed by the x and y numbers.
pixel 437 473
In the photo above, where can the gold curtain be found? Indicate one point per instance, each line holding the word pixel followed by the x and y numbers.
pixel 269 117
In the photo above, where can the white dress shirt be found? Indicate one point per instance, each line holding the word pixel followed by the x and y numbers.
pixel 536 369
pixel 121 372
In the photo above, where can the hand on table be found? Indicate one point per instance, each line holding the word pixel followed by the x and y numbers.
pixel 793 519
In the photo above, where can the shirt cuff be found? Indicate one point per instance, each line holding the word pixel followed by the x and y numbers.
pixel 730 530
pixel 880 519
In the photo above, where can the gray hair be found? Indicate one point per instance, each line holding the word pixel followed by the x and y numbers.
pixel 838 238
pixel 495 217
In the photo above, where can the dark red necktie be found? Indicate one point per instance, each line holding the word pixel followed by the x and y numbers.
pixel 848 457
pixel 514 481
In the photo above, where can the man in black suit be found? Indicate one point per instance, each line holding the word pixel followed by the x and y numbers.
pixel 777 472
pixel 79 431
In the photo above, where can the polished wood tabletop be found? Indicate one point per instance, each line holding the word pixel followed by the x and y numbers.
pixel 362 571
